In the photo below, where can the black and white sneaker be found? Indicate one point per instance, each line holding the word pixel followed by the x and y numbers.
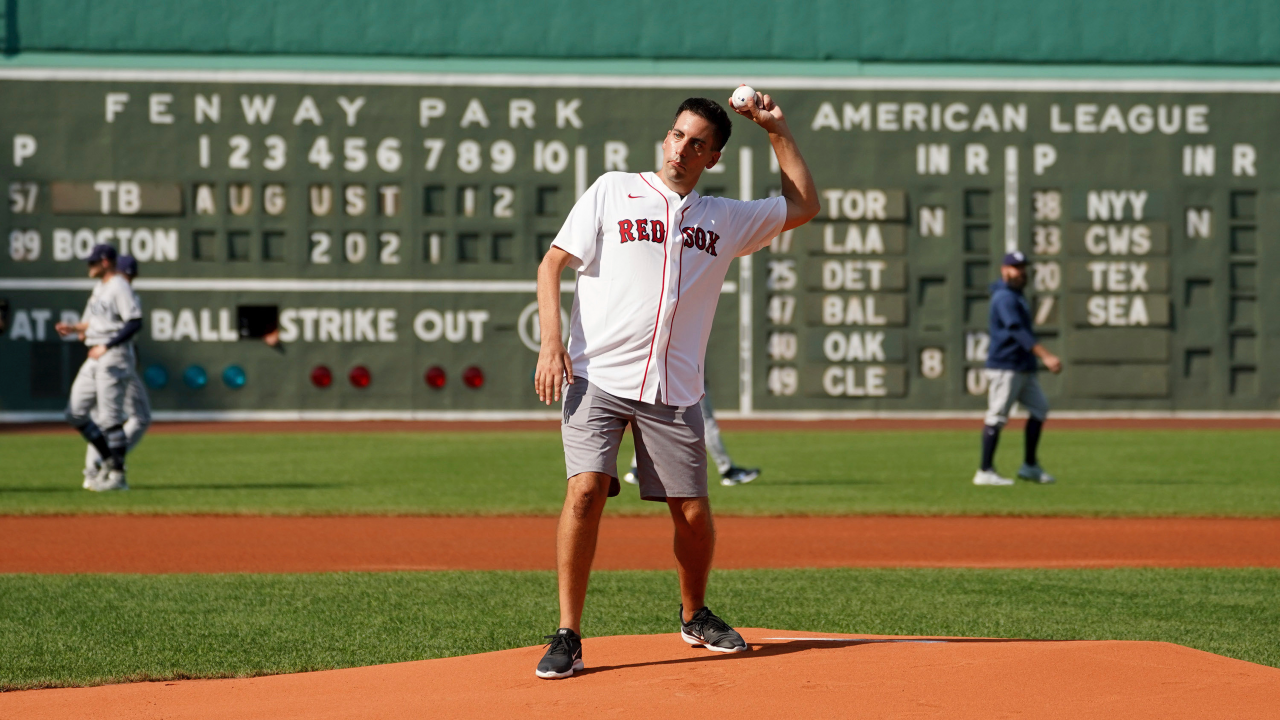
pixel 711 632
pixel 739 476
pixel 564 655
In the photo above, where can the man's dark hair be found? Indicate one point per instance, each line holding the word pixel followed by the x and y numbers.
pixel 710 111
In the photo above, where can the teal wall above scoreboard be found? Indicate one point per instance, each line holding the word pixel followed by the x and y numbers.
pixel 1221 32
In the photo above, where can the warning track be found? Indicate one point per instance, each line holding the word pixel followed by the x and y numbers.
pixel 183 544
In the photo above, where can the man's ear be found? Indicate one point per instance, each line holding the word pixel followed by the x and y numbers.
pixel 715 158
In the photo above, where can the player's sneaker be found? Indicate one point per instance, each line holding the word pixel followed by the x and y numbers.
pixel 711 632
pixel 114 481
pixel 1035 474
pixel 91 476
pixel 990 477
pixel 95 477
pixel 739 476
pixel 630 478
pixel 563 656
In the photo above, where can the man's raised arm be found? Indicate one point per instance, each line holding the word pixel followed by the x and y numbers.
pixel 801 194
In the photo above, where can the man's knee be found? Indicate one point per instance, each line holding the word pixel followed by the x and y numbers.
pixel 586 491
pixel 692 515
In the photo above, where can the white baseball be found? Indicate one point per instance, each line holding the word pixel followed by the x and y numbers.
pixel 742 96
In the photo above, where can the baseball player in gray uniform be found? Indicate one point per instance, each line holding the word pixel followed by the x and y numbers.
pixel 137 405
pixel 111 318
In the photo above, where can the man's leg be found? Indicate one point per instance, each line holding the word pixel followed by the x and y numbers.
pixel 138 407
pixel 1033 441
pixel 1000 399
pixel 84 398
pixel 592 433
pixel 695 545
pixel 576 536
pixel 1033 399
pixel 990 439
pixel 92 460
pixel 715 445
pixel 730 474
pixel 112 381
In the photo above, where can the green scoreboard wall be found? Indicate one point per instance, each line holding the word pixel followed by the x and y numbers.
pixel 393 222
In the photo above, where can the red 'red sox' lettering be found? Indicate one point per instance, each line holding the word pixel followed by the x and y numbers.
pixel 651 230
pixel 705 240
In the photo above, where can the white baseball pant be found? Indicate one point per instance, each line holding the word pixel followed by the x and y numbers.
pixel 98 392
pixel 138 408
pixel 1006 387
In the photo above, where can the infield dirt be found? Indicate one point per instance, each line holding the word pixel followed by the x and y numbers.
pixel 787 674
pixel 177 544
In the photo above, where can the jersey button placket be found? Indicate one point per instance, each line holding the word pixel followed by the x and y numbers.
pixel 664 317
pixel 670 301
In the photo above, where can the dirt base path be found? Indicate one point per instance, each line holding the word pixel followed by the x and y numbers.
pixel 784 676
pixel 177 544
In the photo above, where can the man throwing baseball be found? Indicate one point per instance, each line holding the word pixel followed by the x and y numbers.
pixel 651 256
pixel 111 318
pixel 1011 374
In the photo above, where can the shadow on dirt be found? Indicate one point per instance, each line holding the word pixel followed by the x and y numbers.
pixel 771 649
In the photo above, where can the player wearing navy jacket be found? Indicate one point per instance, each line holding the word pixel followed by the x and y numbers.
pixel 1011 373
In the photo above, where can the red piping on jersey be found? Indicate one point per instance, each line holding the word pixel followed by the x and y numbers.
pixel 666 255
pixel 666 353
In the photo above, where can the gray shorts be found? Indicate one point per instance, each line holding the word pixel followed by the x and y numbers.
pixel 671 455
pixel 1006 387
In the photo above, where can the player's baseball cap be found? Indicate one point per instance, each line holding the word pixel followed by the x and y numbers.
pixel 128 265
pixel 1015 258
pixel 102 252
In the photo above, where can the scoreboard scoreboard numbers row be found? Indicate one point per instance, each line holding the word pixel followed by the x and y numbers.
pixel 395 224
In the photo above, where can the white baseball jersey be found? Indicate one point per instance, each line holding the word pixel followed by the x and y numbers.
pixel 110 306
pixel 650 267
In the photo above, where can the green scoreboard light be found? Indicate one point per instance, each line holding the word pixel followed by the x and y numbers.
pixel 365 244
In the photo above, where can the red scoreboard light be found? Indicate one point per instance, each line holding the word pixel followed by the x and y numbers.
pixel 473 377
pixel 360 376
pixel 321 376
pixel 434 377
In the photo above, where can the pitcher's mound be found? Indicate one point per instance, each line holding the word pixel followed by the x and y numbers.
pixel 787 674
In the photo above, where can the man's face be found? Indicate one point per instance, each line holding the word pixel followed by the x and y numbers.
pixel 98 269
pixel 687 149
pixel 1015 276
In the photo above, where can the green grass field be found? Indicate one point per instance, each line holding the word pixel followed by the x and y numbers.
pixel 1227 473
pixel 88 629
